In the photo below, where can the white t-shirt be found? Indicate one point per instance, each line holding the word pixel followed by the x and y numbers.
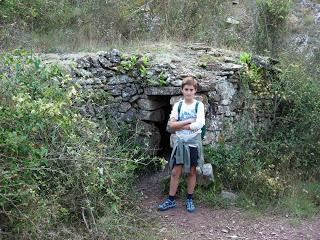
pixel 188 111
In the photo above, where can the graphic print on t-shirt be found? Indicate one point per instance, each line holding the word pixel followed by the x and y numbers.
pixel 184 115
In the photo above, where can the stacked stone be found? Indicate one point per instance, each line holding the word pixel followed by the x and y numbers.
pixel 129 99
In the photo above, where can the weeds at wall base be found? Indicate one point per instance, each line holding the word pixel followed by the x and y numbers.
pixel 298 203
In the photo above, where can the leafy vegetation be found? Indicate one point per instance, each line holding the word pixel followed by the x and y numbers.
pixel 262 162
pixel 83 23
pixel 270 25
pixel 139 67
pixel 57 167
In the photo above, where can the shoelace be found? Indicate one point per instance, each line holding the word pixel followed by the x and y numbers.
pixel 167 203
pixel 190 204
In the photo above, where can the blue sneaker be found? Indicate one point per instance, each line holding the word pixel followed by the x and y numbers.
pixel 167 204
pixel 190 206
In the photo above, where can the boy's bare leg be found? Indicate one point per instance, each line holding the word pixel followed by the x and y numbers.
pixel 174 180
pixel 192 178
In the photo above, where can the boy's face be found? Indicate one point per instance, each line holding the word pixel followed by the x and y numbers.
pixel 188 92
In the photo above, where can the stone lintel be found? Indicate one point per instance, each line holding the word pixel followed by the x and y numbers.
pixel 153 116
pixel 162 91
pixel 200 97
pixel 149 104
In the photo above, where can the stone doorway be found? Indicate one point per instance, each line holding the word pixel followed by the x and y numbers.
pixel 165 149
pixel 154 112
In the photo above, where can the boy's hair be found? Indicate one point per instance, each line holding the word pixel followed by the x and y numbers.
pixel 189 81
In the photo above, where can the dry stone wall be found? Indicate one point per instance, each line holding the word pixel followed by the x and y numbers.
pixel 144 87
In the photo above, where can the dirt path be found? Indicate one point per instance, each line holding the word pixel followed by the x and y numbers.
pixel 208 223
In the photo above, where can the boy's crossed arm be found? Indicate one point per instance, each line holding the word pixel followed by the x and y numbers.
pixel 179 125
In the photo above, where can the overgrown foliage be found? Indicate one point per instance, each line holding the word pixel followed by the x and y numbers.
pixel 57 167
pixel 264 161
pixel 270 25
pixel 84 23
pixel 139 67
pixel 73 25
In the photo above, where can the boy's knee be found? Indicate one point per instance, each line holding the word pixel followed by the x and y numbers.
pixel 192 172
pixel 175 173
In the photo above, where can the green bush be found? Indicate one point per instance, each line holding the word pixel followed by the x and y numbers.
pixel 56 25
pixel 57 167
pixel 270 25
pixel 297 126
pixel 244 164
pixel 20 10
pixel 40 14
pixel 260 161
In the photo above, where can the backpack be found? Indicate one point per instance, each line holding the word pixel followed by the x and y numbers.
pixel 203 129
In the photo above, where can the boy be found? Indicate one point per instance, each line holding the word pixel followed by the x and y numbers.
pixel 187 150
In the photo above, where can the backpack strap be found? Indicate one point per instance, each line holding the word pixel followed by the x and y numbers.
pixel 197 105
pixel 203 129
pixel 179 110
